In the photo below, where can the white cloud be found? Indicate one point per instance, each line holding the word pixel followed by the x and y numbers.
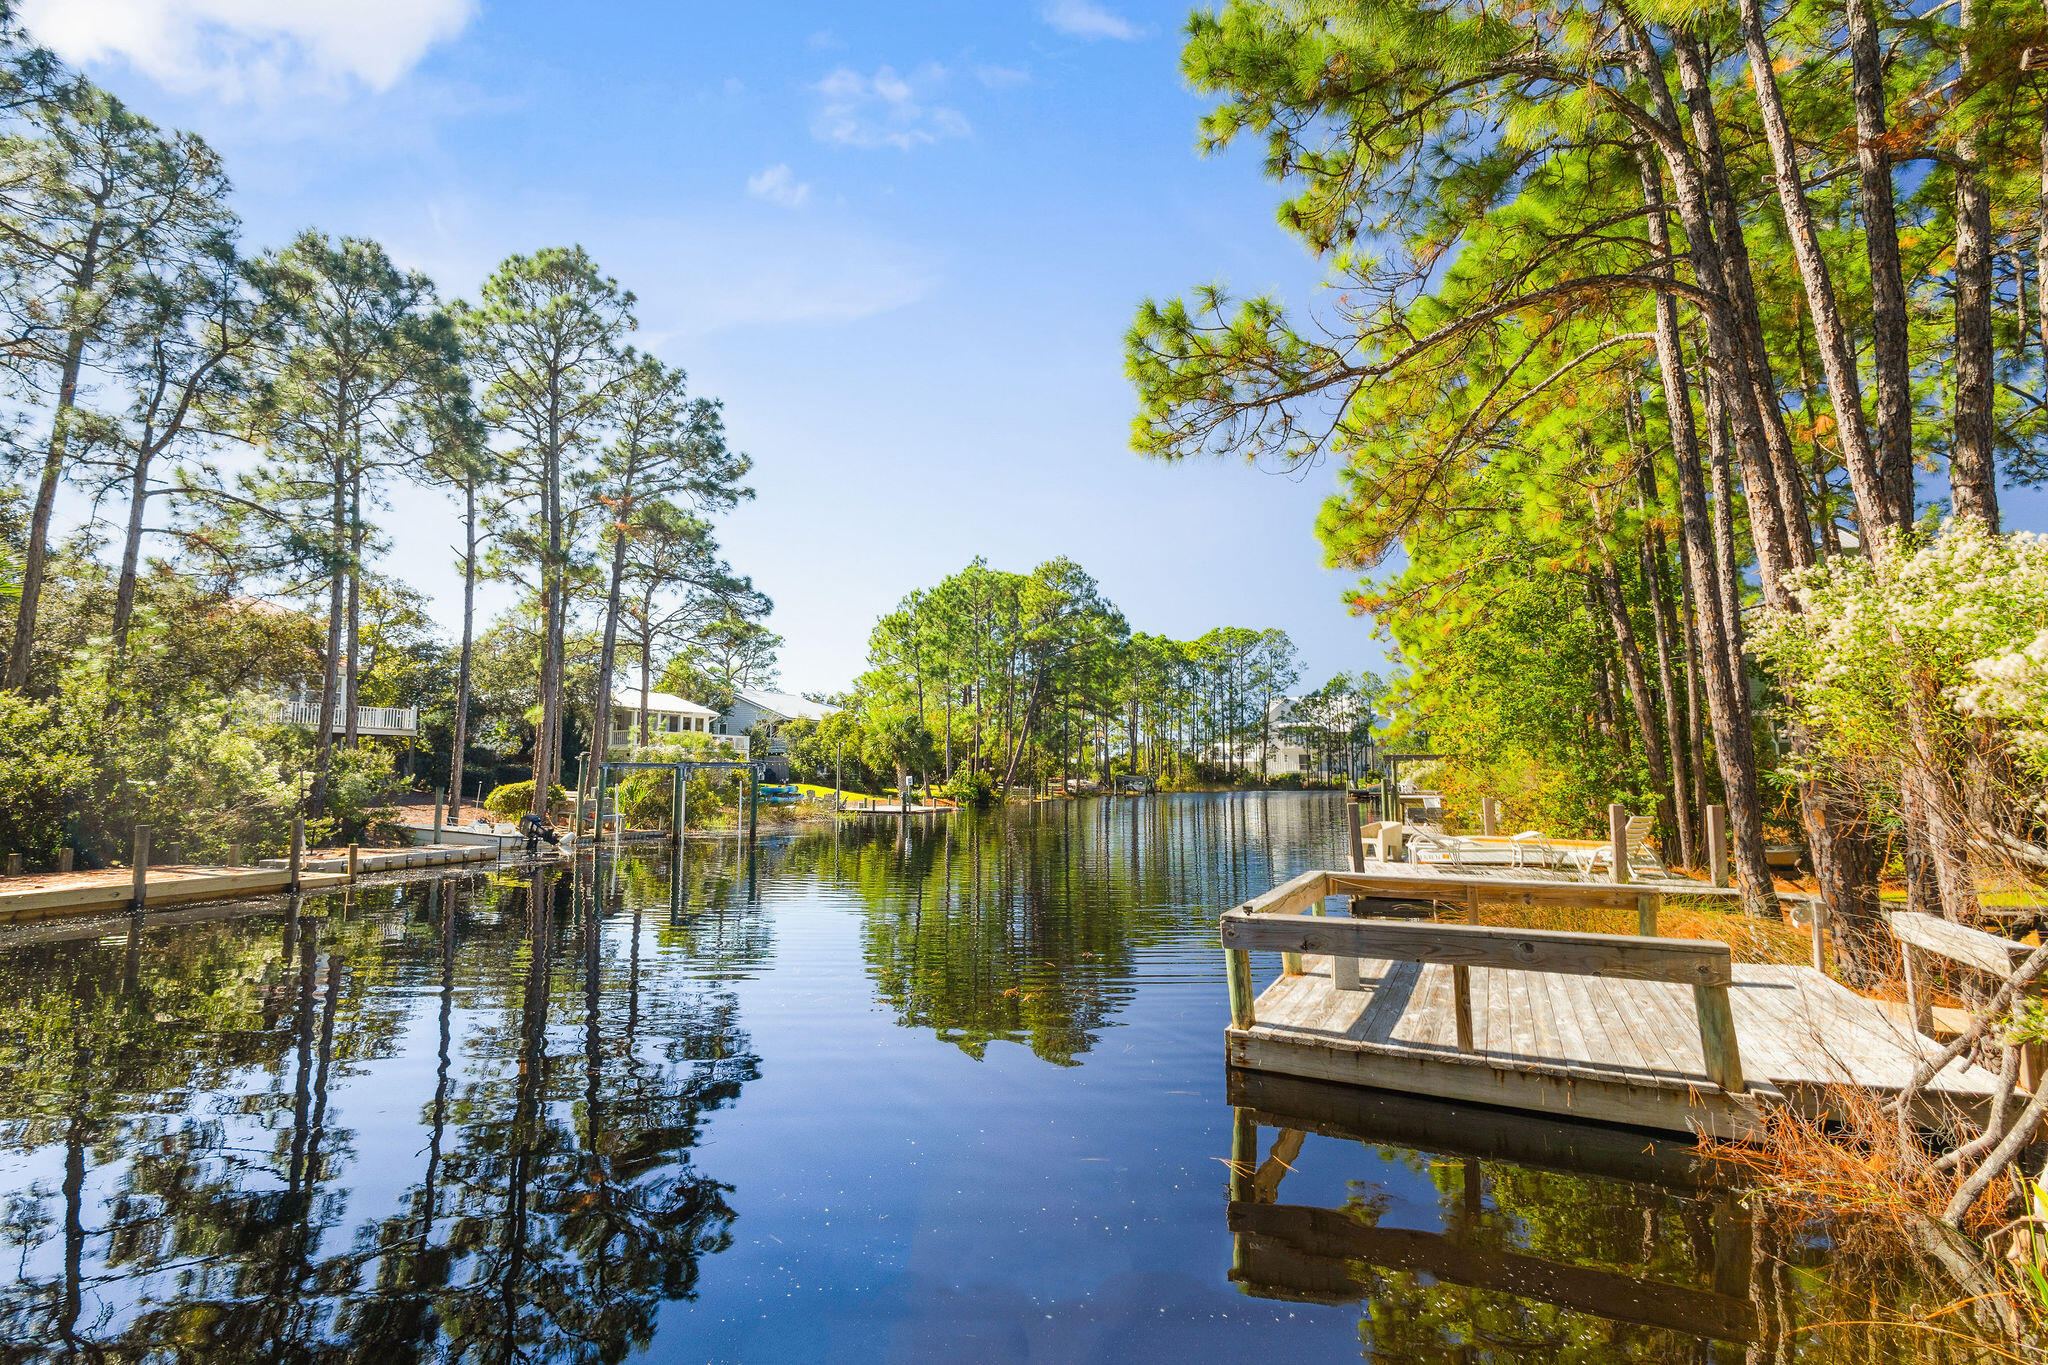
pixel 885 109
pixel 260 51
pixel 778 185
pixel 1002 77
pixel 1086 19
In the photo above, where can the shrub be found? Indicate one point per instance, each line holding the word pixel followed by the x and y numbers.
pixel 971 787
pixel 514 799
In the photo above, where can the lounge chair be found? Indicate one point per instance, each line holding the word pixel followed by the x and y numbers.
pixel 1534 849
pixel 1635 848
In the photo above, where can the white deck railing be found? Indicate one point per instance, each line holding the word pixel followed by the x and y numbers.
pixel 370 720
pixel 665 746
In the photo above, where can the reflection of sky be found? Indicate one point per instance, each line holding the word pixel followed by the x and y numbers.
pixel 894 1197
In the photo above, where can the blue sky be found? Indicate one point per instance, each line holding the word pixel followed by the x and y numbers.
pixel 902 244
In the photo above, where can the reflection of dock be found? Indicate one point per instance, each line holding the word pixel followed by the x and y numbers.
pixel 913 809
pixel 1657 1032
pixel 1317 1255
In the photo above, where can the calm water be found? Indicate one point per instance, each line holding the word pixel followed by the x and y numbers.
pixel 951 1092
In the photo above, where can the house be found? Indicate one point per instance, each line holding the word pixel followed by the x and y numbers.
pixel 754 706
pixel 667 714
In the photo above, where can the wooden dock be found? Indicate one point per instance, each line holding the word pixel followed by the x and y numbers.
pixel 1655 1032
pixel 113 890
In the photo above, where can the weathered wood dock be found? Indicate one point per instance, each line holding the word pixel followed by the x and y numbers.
pixel 1660 1033
pixel 99 893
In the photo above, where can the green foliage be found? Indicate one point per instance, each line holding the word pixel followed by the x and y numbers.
pixel 971 787
pixel 514 799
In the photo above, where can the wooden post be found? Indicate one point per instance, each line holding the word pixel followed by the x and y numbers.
pixel 582 788
pixel 1489 815
pixel 1357 840
pixel 1717 844
pixel 675 805
pixel 440 799
pixel 353 854
pixel 1617 840
pixel 64 857
pixel 1237 967
pixel 1817 909
pixel 1717 1037
pixel 14 864
pixel 298 850
pixel 234 855
pixel 1461 992
pixel 141 866
pixel 1472 904
pixel 754 802
pixel 1919 1005
pixel 1647 903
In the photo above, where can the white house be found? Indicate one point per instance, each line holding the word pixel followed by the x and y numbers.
pixel 753 706
pixel 667 714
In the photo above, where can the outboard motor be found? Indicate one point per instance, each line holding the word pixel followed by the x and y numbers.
pixel 536 829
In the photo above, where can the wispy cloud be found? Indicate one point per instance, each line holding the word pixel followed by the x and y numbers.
pixel 1001 77
pixel 885 109
pixel 778 185
pixel 1086 19
pixel 252 51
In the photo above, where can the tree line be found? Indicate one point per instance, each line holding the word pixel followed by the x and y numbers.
pixel 235 423
pixel 992 679
pixel 1647 322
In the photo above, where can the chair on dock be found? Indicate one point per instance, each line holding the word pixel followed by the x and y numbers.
pixel 1636 849
pixel 1534 849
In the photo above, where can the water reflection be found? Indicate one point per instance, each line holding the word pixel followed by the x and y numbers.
pixel 453 1111
pixel 887 1091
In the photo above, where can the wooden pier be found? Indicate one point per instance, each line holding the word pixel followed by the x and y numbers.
pixel 113 890
pixel 1660 1033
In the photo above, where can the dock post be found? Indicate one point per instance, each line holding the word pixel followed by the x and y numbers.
pixel 1717 844
pixel 753 803
pixel 141 865
pixel 1489 815
pixel 1717 1037
pixel 1237 966
pixel 298 850
pixel 14 864
pixel 234 855
pixel 64 857
pixel 1352 801
pixel 1617 840
pixel 582 784
pixel 1244 1159
pixel 1647 903
pixel 1818 910
pixel 675 806
pixel 440 799
pixel 353 855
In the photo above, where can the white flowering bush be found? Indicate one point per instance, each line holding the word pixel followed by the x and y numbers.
pixel 1958 620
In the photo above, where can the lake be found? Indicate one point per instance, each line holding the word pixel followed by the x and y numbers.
pixel 948 1091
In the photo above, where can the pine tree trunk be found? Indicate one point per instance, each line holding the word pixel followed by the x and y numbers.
pixel 1640 698
pixel 1972 477
pixel 607 659
pixel 351 701
pixel 1727 698
pixel 330 680
pixel 459 747
pixel 1893 437
pixel 131 555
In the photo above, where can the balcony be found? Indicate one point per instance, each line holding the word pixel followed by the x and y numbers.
pixel 383 721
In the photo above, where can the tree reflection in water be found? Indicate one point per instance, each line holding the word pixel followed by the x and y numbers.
pixel 180 1111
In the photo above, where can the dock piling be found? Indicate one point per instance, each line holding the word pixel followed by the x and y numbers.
pixel 141 865
pixel 1489 815
pixel 64 857
pixel 298 851
pixel 1617 840
pixel 440 800
pixel 14 864
pixel 354 855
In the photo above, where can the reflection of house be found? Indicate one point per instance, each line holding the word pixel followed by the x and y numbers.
pixel 667 714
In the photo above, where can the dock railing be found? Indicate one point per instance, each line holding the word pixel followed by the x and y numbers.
pixel 1272 923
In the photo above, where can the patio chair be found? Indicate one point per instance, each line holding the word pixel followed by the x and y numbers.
pixel 1635 840
pixel 1431 847
pixel 1533 848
